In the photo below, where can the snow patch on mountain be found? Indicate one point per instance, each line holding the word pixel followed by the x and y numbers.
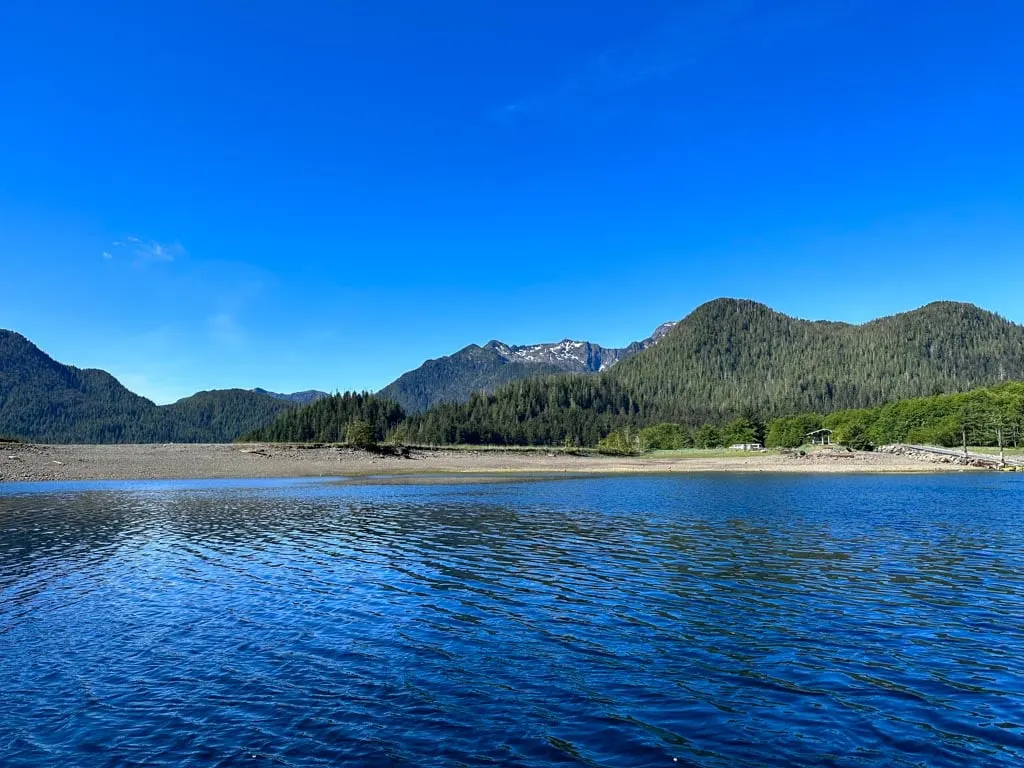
pixel 578 356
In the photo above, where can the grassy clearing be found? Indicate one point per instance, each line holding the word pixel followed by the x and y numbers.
pixel 994 451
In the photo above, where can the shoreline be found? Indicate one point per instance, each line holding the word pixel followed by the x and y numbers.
pixel 29 462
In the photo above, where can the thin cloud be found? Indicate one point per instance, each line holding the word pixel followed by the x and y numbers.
pixel 140 251
pixel 662 52
pixel 679 44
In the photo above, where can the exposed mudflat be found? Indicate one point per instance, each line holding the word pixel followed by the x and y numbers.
pixel 23 462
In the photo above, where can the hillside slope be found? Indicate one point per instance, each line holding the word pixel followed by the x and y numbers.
pixel 730 356
pixel 46 401
pixel 305 397
pixel 454 378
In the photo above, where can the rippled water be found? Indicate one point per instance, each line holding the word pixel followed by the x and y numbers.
pixel 711 621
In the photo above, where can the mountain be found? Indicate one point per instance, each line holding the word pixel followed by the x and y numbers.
pixel 305 397
pixel 216 416
pixel 727 357
pixel 483 369
pixel 731 356
pixel 575 356
pixel 47 401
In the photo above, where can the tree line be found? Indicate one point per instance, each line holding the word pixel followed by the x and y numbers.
pixel 988 416
pixel 591 412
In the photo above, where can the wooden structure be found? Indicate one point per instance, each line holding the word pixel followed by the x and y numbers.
pixel 819 437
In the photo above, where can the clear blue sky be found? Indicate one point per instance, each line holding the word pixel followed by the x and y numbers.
pixel 198 195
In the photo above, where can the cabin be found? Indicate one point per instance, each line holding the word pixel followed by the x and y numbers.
pixel 819 437
pixel 746 447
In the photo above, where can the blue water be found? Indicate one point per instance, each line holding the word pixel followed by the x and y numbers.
pixel 683 621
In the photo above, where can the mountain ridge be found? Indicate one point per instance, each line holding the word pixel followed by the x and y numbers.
pixel 475 368
pixel 44 400
pixel 727 356
pixel 735 356
pixel 305 397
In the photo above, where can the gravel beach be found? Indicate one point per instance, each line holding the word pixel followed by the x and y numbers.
pixel 25 462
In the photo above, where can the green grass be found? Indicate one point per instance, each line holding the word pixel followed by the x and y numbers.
pixel 994 450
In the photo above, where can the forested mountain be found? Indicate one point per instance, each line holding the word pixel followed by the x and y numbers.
pixel 305 397
pixel 41 399
pixel 727 358
pixel 732 356
pixel 46 401
pixel 452 379
pixel 216 416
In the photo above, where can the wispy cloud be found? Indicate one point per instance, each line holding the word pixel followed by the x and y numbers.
pixel 685 42
pixel 663 51
pixel 140 251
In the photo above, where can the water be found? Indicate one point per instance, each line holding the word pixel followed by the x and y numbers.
pixel 692 621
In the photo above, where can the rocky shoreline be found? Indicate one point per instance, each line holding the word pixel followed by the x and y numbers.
pixel 26 462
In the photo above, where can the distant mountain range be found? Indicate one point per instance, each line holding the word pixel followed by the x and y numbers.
pixel 733 356
pixel 47 401
pixel 726 357
pixel 305 397
pixel 483 369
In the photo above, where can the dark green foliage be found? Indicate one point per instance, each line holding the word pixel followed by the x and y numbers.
pixel 979 416
pixel 664 437
pixel 46 401
pixel 740 430
pixel 621 442
pixel 791 431
pixel 578 408
pixel 360 434
pixel 453 379
pixel 708 436
pixel 335 419
pixel 854 435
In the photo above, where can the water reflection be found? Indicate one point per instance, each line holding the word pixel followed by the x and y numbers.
pixel 619 621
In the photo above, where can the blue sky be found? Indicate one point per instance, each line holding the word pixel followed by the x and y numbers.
pixel 323 194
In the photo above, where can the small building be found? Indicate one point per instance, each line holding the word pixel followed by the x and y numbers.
pixel 746 447
pixel 819 437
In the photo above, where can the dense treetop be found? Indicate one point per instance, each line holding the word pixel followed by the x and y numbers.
pixel 331 419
